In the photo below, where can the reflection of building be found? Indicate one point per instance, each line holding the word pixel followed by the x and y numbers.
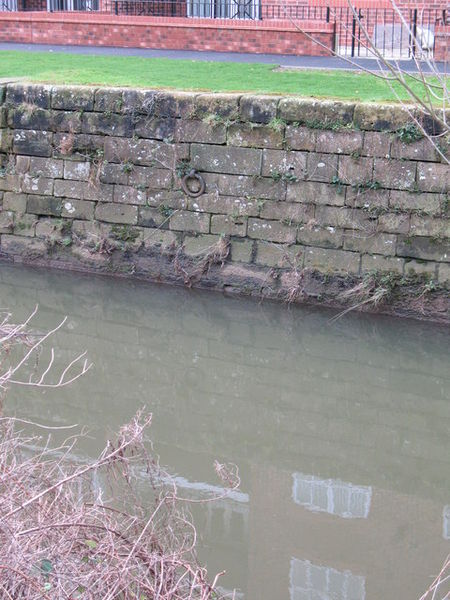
pixel 388 550
pixel 446 523
pixel 313 582
pixel 332 496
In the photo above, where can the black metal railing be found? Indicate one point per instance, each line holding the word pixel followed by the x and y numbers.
pixel 393 35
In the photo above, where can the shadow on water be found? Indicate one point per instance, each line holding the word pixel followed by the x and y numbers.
pixel 341 430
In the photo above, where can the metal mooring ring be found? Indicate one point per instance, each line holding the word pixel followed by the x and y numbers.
pixel 186 187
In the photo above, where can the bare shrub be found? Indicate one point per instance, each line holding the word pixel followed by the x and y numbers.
pixel 75 529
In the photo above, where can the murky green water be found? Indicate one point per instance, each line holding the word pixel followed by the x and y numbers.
pixel 341 431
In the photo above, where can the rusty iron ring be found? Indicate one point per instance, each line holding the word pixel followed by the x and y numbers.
pixel 187 190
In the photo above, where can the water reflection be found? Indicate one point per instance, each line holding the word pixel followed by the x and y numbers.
pixel 313 582
pixel 302 406
pixel 332 496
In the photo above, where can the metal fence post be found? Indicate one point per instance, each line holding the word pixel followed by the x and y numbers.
pixel 353 35
pixel 414 29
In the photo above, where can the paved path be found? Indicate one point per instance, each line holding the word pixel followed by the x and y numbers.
pixel 305 62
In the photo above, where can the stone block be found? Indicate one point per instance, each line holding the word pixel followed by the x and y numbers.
pixel 37 95
pixel 258 109
pixel 241 250
pixel 225 106
pixel 15 202
pixel 77 146
pixel 254 136
pixel 49 229
pixel 91 231
pixel 255 188
pixel 79 171
pixel 6 221
pixel 108 100
pixel 107 124
pixel 377 243
pixel 144 152
pixel 377 145
pixel 32 142
pixel 158 238
pixel 271 231
pixel 370 200
pixel 288 212
pixel 395 173
pixel 301 138
pixel 332 261
pixel 200 131
pixel 153 217
pixel 83 190
pixel 429 226
pixel 229 225
pixel 424 248
pixel 117 213
pixel 199 245
pixel 226 159
pixel 156 128
pixel 345 217
pixel 339 142
pixel 73 98
pixel 184 220
pixel 66 121
pixel 6 140
pixel 126 194
pixel 420 150
pixel 375 262
pixel 25 225
pixel 113 173
pixel 312 192
pixel 355 171
pixel 40 167
pixel 78 209
pixel 380 117
pixel 150 177
pixel 394 223
pixel 277 163
pixel 444 273
pixel 424 202
pixel 414 267
pixel 174 104
pixel 44 205
pixel 139 101
pixel 322 112
pixel 26 116
pixel 169 199
pixel 37 185
pixel 279 255
pixel 324 237
pixel 9 182
pixel 433 177
pixel 322 167
pixel 26 247
pixel 225 205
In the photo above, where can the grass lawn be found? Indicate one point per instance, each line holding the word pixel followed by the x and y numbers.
pixel 193 75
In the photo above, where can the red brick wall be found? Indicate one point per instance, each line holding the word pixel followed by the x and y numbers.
pixel 275 37
pixel 441 43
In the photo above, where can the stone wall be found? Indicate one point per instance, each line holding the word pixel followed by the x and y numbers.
pixel 302 198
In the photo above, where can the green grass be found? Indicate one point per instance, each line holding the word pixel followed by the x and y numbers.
pixel 193 75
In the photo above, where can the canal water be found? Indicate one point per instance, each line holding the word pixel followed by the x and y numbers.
pixel 341 430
